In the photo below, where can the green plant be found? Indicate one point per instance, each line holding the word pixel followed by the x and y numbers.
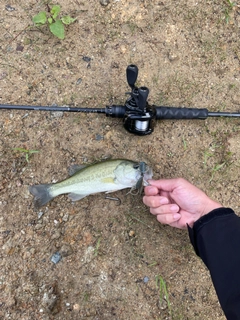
pixel 163 292
pixel 206 156
pixel 184 143
pixel 55 24
pixel 229 9
pixel 27 152
pixel 216 168
pixel 96 250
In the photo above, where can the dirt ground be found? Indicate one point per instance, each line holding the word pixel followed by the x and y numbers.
pixel 188 54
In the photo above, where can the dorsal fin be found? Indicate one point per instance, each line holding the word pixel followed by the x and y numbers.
pixel 75 168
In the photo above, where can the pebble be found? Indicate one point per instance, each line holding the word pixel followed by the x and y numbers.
pixel 56 235
pixel 9 8
pixel 56 257
pixel 40 214
pixel 131 233
pixel 145 279
pixel 79 80
pixel 66 250
pixel 99 137
pixel 76 306
pixel 56 114
pixel 104 2
pixel 162 304
pixel 86 59
pixel 65 217
pixel 38 226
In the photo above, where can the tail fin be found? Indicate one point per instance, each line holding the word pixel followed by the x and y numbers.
pixel 41 194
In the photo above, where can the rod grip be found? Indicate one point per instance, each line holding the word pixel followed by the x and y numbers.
pixel 180 113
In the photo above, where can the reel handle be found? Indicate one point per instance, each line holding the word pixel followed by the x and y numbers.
pixel 142 98
pixel 132 74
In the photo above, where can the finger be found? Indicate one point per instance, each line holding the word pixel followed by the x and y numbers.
pixel 167 184
pixel 151 191
pixel 165 209
pixel 168 218
pixel 155 201
pixel 178 224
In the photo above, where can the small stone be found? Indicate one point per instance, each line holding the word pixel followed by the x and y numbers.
pixel 65 217
pixel 162 304
pixel 172 56
pixel 66 250
pixel 38 226
pixel 56 235
pixel 79 80
pixel 56 114
pixel 104 2
pixel 99 137
pixel 3 75
pixel 9 8
pixel 56 257
pixel 86 59
pixel 19 48
pixel 131 233
pixel 49 300
pixel 145 279
pixel 40 214
pixel 19 182
pixel 76 306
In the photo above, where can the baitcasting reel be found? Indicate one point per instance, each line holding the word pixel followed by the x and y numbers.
pixel 138 116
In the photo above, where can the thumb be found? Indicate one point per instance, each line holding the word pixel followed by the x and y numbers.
pixel 165 184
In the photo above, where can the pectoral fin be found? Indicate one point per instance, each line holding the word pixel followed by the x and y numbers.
pixel 76 196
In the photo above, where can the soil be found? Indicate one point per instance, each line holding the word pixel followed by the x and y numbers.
pixel 112 256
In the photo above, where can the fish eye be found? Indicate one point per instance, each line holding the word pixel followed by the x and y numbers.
pixel 136 166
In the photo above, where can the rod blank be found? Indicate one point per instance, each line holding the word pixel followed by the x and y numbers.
pixel 53 108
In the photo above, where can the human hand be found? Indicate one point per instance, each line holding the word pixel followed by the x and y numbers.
pixel 177 202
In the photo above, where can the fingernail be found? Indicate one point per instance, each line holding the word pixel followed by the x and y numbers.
pixel 176 216
pixel 174 207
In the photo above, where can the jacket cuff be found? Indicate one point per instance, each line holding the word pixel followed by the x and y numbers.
pixel 204 220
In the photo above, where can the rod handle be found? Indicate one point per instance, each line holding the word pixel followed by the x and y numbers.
pixel 180 113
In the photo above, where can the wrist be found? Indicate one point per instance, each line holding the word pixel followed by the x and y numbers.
pixel 210 206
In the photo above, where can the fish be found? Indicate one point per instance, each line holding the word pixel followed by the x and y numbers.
pixel 104 176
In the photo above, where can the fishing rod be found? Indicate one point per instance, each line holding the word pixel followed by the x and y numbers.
pixel 138 116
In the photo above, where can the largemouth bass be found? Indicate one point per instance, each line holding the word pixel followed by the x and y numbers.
pixel 106 176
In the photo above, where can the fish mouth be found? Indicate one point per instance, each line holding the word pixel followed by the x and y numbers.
pixel 146 174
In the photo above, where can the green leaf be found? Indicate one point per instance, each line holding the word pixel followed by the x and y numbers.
pixel 50 20
pixel 57 28
pixel 40 18
pixel 55 11
pixel 68 19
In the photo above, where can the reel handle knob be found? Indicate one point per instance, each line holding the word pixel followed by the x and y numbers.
pixel 132 74
pixel 142 100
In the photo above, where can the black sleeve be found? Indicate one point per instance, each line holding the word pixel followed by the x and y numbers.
pixel 216 240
